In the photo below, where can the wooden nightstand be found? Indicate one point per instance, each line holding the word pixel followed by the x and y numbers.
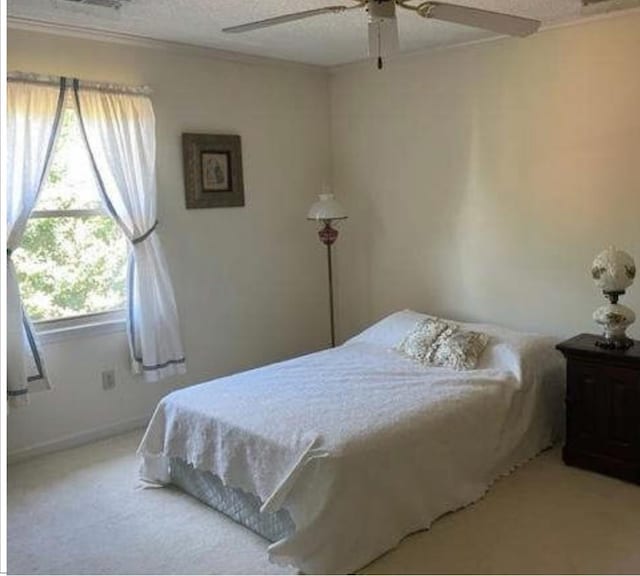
pixel 603 408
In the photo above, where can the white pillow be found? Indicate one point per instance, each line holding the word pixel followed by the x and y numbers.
pixel 389 331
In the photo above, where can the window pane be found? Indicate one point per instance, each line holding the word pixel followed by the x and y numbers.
pixel 71 266
pixel 71 183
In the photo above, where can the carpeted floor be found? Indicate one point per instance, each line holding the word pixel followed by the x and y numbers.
pixel 78 511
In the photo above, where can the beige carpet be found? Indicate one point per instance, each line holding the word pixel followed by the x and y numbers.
pixel 78 512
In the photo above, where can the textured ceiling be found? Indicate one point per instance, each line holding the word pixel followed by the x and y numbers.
pixel 324 40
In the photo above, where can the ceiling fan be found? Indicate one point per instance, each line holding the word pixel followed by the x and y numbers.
pixel 383 26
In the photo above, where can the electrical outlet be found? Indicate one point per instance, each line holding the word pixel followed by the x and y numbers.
pixel 108 379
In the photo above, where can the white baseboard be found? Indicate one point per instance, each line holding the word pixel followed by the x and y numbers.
pixel 76 439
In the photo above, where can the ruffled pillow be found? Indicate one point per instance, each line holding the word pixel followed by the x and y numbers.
pixel 460 350
pixel 418 343
pixel 435 342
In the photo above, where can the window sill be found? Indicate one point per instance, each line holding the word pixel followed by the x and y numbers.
pixel 87 327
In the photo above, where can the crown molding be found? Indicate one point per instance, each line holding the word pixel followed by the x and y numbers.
pixel 99 35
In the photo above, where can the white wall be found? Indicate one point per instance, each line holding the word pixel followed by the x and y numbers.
pixel 482 180
pixel 249 282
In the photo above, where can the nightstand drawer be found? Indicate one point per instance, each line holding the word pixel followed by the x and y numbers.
pixel 584 398
pixel 622 412
pixel 603 409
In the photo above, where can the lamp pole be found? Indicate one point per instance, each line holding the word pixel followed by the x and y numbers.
pixel 327 210
pixel 328 236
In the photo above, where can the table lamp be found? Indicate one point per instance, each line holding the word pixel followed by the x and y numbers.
pixel 613 271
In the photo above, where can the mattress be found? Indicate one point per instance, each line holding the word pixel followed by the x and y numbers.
pixel 239 505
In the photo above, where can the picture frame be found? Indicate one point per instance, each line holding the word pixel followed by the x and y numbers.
pixel 212 170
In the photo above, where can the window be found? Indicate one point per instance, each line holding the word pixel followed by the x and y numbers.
pixel 73 256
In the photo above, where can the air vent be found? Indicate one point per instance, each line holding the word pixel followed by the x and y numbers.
pixel 114 4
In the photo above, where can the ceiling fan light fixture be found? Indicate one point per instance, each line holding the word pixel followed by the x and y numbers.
pixel 381 9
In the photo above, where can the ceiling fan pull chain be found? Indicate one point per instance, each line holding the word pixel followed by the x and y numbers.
pixel 379 46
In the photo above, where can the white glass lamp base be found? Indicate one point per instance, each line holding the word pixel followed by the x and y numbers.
pixel 614 319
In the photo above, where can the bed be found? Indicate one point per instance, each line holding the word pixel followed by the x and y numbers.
pixel 336 456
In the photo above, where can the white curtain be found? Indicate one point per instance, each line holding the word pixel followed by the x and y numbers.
pixel 33 118
pixel 119 129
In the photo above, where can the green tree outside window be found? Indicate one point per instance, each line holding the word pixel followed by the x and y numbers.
pixel 72 259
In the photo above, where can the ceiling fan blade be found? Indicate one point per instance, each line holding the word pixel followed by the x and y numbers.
pixel 494 21
pixel 285 18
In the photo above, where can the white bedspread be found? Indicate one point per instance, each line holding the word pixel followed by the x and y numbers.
pixel 359 444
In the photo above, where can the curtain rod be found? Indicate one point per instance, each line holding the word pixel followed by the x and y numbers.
pixel 84 84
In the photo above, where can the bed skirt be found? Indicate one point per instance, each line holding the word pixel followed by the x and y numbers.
pixel 239 505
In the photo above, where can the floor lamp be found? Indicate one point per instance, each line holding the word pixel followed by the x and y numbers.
pixel 326 210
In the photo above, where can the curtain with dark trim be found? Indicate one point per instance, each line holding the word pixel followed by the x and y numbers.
pixel 119 130
pixel 33 119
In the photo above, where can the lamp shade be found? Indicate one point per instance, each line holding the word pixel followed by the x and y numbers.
pixel 613 270
pixel 327 208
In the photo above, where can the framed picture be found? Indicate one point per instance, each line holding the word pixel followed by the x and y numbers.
pixel 212 170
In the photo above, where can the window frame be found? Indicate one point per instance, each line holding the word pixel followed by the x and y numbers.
pixel 72 213
pixel 80 325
